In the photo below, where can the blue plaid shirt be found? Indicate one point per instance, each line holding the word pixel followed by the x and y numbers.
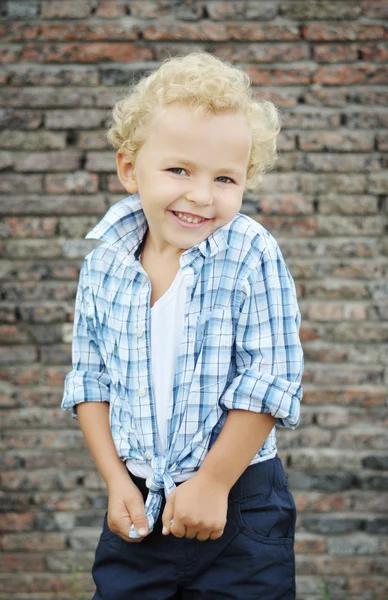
pixel 240 347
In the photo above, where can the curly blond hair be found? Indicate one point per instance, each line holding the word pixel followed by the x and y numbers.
pixel 210 86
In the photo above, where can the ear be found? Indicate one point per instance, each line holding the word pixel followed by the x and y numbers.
pixel 126 172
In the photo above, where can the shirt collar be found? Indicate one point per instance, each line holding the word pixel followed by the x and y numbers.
pixel 125 222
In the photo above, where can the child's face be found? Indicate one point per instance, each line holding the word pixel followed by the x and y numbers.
pixel 188 164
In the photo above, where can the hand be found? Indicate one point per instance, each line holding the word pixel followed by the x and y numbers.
pixel 198 507
pixel 126 506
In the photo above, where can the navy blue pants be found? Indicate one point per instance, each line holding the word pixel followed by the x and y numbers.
pixel 252 560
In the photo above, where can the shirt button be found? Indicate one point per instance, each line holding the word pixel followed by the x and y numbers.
pixel 139 332
pixel 149 482
pixel 142 392
pixel 148 455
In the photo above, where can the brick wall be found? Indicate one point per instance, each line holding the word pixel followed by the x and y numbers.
pixel 323 64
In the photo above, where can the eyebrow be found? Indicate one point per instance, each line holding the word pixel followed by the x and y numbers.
pixel 188 163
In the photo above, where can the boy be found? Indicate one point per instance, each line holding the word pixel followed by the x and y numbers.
pixel 186 350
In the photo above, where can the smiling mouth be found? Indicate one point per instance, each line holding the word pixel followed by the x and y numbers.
pixel 190 218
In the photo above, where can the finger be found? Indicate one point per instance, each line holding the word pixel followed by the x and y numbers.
pixel 202 536
pixel 178 529
pixel 138 518
pixel 191 533
pixel 216 534
pixel 168 515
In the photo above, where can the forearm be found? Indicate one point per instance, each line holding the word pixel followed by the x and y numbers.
pixel 243 434
pixel 93 418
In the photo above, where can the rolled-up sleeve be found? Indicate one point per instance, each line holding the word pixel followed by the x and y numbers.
pixel 269 356
pixel 88 381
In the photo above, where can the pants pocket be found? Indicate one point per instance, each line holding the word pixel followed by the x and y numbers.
pixel 268 517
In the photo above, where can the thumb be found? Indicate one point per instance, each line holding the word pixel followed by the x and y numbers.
pixel 168 514
pixel 138 517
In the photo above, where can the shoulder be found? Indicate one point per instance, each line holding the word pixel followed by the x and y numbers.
pixel 253 241
pixel 99 263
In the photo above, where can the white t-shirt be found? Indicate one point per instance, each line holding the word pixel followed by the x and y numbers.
pixel 167 324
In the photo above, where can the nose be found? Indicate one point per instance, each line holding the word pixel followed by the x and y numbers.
pixel 200 194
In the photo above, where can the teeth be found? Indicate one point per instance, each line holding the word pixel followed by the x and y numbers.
pixel 189 219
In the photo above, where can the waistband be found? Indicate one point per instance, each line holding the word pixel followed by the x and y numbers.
pixel 255 479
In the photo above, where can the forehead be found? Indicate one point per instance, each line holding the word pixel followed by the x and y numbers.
pixel 179 131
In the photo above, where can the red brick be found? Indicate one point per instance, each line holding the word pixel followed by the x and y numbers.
pixel 22 562
pixel 331 53
pixel 335 141
pixel 221 31
pixel 269 76
pixel 21 375
pixel 14 333
pixel 288 204
pixel 305 226
pixel 110 10
pixel 85 53
pixel 16 521
pixel 342 31
pixel 374 9
pixel 341 74
pixel 377 52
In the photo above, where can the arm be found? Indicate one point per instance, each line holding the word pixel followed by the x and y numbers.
pixel 269 356
pixel 87 394
pixel 265 392
pixel 125 504
pixel 88 380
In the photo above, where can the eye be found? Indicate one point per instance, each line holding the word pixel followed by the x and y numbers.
pixel 175 169
pixel 225 177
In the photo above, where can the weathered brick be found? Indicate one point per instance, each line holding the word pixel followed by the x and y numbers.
pixel 20 119
pixel 284 76
pixel 28 227
pixel 343 31
pixel 53 205
pixel 109 9
pixel 335 162
pixel 65 160
pixel 239 9
pixel 331 182
pixel 63 10
pixel 149 9
pixel 287 204
pixel 81 52
pixel 328 53
pixel 23 9
pixel 336 141
pixel 340 74
pixel 221 31
pixel 76 118
pixel 32 140
pixel 80 182
pixel 367 120
pixel 363 225
pixel 16 183
pixel 347 205
pixel 374 9
pixel 320 10
pixel 52 75
pixel 20 562
pixel 101 162
pixel 93 140
pixel 303 118
pixel 263 53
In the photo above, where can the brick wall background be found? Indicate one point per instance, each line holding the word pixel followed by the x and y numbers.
pixel 323 64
